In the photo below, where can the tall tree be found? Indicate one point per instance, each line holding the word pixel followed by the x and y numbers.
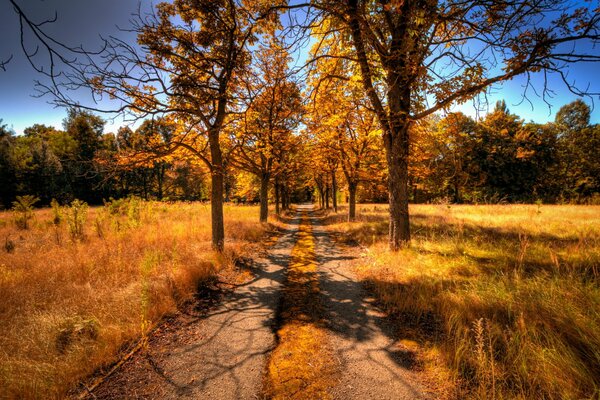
pixel 264 135
pixel 193 56
pixel 418 57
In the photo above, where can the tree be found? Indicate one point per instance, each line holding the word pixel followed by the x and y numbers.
pixel 7 170
pixel 264 137
pixel 193 58
pixel 578 144
pixel 345 130
pixel 418 57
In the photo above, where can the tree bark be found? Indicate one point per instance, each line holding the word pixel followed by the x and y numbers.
pixel 284 205
pixel 396 146
pixel 334 191
pixel 327 197
pixel 264 197
pixel 352 201
pixel 216 196
pixel 277 198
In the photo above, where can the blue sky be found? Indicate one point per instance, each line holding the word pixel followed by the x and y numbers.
pixel 83 21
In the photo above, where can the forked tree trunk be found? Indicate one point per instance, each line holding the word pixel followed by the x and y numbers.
pixel 264 197
pixel 216 196
pixel 334 191
pixel 352 201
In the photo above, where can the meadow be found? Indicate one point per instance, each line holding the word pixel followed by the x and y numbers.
pixel 504 299
pixel 80 284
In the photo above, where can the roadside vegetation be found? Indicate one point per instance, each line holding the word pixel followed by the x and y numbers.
pixel 78 284
pixel 507 296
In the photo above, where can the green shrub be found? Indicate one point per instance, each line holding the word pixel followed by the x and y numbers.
pixel 23 209
pixel 76 215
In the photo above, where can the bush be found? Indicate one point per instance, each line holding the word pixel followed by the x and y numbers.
pixel 76 215
pixel 23 209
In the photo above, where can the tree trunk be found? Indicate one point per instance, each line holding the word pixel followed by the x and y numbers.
pixel 352 201
pixel 216 196
pixel 276 197
pixel 284 205
pixel 327 197
pixel 264 197
pixel 160 181
pixel 334 191
pixel 394 122
pixel 457 198
pixel 397 159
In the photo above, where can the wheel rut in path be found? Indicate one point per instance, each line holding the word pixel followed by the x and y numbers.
pixel 373 365
pixel 219 355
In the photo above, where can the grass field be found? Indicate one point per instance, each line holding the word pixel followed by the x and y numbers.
pixel 72 299
pixel 506 296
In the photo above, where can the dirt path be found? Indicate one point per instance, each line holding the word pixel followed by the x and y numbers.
pixel 373 364
pixel 222 353
pixel 218 355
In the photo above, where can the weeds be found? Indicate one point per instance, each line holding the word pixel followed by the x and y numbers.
pixel 57 214
pixel 67 308
pixel 76 216
pixel 9 245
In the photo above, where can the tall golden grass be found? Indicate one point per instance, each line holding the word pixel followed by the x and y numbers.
pixel 69 302
pixel 507 295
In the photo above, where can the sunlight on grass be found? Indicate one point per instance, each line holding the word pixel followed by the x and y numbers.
pixel 300 366
pixel 69 304
pixel 507 295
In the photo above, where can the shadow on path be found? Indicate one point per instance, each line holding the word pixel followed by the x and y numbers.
pixel 374 365
pixel 219 353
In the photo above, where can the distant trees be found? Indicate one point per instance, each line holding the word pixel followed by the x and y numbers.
pixel 346 136
pixel 84 162
pixel 263 137
pixel 578 146
pixel 503 158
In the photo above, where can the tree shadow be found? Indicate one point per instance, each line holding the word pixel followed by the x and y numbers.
pixel 366 339
pixel 218 346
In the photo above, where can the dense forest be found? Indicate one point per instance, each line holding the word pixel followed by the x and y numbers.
pixel 500 158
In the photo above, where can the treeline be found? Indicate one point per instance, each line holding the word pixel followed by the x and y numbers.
pixel 456 159
pixel 82 162
pixel 503 158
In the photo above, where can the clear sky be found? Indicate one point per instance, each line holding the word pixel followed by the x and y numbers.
pixel 83 21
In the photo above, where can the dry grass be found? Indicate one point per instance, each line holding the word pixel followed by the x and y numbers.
pixel 69 304
pixel 508 296
pixel 300 367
